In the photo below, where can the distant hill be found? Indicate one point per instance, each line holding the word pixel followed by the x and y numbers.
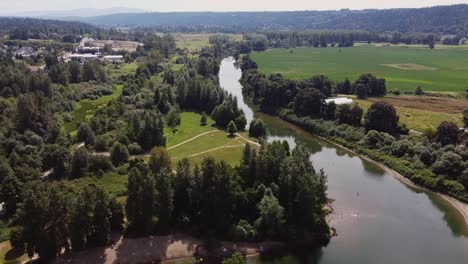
pixel 441 19
pixel 76 13
pixel 24 28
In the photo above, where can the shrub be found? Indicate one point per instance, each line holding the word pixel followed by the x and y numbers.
pixel 119 154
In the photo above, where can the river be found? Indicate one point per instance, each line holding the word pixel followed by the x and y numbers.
pixel 378 218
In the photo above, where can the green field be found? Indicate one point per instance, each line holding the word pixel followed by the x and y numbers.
pixel 403 67
pixel 116 70
pixel 86 108
pixel 417 119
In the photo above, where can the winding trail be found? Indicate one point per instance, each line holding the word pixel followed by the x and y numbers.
pixel 46 174
pixel 195 137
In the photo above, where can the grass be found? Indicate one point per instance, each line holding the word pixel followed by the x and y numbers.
pixel 194 42
pixel 114 183
pixel 189 128
pixel 116 70
pixel 418 119
pixel 85 109
pixel 441 69
pixel 4 231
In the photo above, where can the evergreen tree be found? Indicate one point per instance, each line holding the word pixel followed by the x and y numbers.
pixel 232 129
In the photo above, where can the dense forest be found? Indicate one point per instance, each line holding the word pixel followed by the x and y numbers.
pixel 273 194
pixel 440 19
pixel 24 28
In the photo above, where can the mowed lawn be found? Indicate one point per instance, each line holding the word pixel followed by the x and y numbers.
pixel 404 68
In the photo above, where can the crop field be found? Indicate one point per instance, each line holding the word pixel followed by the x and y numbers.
pixel 403 67
pixel 420 113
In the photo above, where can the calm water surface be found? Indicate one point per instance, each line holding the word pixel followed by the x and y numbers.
pixel 388 222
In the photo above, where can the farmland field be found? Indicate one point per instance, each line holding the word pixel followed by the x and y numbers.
pixel 403 67
pixel 420 113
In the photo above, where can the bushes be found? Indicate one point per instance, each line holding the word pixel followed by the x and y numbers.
pixel 404 155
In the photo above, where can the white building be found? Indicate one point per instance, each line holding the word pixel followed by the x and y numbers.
pixel 113 58
pixel 339 100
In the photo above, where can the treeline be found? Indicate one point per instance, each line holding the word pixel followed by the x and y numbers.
pixel 53 217
pixel 437 160
pixel 307 96
pixel 26 28
pixel 438 19
pixel 263 40
pixel 273 194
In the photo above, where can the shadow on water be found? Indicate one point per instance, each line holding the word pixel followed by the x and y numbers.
pixel 451 216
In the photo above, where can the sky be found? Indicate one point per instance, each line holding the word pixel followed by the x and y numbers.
pixel 11 6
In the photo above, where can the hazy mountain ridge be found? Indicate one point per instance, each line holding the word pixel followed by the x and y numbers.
pixel 441 19
pixel 76 13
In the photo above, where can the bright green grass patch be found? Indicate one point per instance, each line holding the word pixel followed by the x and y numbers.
pixel 417 119
pixel 114 183
pixel 85 109
pixel 116 70
pixel 231 156
pixel 440 69
pixel 189 128
pixel 205 143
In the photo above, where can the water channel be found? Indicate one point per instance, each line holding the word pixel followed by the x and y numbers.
pixel 388 222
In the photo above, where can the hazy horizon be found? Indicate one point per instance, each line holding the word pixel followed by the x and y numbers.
pixel 25 6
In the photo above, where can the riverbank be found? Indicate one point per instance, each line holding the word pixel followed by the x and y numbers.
pixel 460 206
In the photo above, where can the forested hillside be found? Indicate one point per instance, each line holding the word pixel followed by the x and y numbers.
pixel 23 28
pixel 441 19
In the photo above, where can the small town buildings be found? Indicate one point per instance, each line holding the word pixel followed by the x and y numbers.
pixel 25 52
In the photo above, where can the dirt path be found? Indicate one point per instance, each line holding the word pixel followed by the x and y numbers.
pixel 210 150
pixel 249 141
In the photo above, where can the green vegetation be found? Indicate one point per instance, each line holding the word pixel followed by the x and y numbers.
pixel 418 119
pixel 189 127
pixel 86 108
pixel 116 70
pixel 113 182
pixel 4 231
pixel 439 69
pixel 436 159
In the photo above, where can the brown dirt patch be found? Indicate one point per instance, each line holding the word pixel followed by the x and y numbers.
pixel 410 66
pixel 434 104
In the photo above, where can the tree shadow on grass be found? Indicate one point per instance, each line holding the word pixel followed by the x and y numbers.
pixel 13 254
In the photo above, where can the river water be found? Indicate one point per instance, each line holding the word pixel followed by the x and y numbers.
pixel 378 218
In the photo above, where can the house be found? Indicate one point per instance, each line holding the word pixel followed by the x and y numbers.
pixel 113 58
pixel 81 57
pixel 339 101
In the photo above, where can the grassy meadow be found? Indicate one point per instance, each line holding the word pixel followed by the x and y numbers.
pixel 194 42
pixel 417 119
pixel 404 67
pixel 86 108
